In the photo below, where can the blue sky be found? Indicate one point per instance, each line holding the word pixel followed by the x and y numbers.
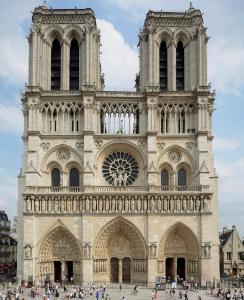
pixel 119 22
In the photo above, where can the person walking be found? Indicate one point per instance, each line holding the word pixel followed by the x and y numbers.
pixel 97 295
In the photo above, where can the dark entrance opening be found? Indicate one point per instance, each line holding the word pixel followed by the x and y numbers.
pixel 181 270
pixel 57 271
pixel 114 269
pixel 169 268
pixel 126 269
pixel 69 268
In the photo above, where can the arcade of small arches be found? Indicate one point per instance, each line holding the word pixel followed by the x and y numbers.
pixel 119 254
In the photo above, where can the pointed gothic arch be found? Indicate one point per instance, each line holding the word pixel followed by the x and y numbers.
pixel 117 242
pixel 179 253
pixel 59 255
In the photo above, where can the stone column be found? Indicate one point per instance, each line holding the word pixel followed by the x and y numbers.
pixel 172 77
pixel 62 269
pixel 65 66
pixel 175 269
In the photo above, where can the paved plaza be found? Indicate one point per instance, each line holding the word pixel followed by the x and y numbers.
pixel 116 294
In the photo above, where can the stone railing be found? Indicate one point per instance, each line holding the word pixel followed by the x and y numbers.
pixel 114 189
pixel 125 203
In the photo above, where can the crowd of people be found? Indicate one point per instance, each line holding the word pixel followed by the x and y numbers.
pixel 227 294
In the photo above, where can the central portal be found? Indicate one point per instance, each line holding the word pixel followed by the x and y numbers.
pixel 57 271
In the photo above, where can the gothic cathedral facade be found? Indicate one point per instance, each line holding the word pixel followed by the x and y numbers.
pixel 117 186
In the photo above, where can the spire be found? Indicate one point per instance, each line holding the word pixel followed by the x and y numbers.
pixel 191 8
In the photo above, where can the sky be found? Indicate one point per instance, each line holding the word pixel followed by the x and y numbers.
pixel 119 22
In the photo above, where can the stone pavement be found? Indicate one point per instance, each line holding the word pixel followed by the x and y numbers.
pixel 143 294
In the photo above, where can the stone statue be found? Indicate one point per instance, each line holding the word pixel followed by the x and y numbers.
pixel 27 251
pixel 87 205
pixel 62 204
pixel 36 205
pixel 28 204
pixel 152 206
pixel 178 208
pixel 86 248
pixel 119 204
pixel 107 204
pixel 56 205
pixel 100 201
pixel 159 204
pixel 152 250
pixel 113 205
pixel 126 205
pixel 198 204
pixel 43 206
pixel 94 204
pixel 191 204
pixel 165 205
pixel 184 204
pixel 132 205
pixel 139 205
pixel 172 204
pixel 145 204
pixel 206 204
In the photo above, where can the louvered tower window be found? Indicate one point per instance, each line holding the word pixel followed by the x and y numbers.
pixel 180 66
pixel 163 70
pixel 55 65
pixel 74 65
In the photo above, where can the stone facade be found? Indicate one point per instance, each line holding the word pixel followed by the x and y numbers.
pixel 117 186
pixel 231 253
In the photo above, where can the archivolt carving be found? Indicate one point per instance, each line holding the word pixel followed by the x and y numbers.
pixel 73 31
pixel 119 232
pixel 59 244
pixel 179 239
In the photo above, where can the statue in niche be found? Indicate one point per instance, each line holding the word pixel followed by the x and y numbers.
pixel 172 204
pixel 28 204
pixel 100 201
pixel 152 250
pixel 56 205
pixel 145 204
pixel 159 204
pixel 27 251
pixel 132 205
pixel 36 205
pixel 198 204
pixel 107 204
pixel 113 205
pixel 152 206
pixel 139 205
pixel 119 204
pixel 165 205
pixel 43 206
pixel 68 205
pixel 87 205
pixel 86 250
pixel 62 204
pixel 184 204
pixel 191 204
pixel 178 205
pixel 126 205
pixel 206 250
pixel 94 204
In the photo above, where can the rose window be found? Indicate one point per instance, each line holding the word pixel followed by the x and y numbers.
pixel 120 169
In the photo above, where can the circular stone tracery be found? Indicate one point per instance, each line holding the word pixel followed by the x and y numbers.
pixel 120 169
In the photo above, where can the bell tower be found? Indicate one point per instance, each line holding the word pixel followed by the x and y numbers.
pixel 173 51
pixel 64 47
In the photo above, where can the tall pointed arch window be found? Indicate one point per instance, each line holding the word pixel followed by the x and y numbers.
pixel 55 177
pixel 74 177
pixel 164 178
pixel 163 68
pixel 55 65
pixel 180 66
pixel 74 65
pixel 182 177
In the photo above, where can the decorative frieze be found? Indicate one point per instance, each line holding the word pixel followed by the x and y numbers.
pixel 113 204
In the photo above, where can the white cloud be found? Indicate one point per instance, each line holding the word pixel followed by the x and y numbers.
pixel 225 144
pixel 226 65
pixel 119 60
pixel 14 46
pixel 11 119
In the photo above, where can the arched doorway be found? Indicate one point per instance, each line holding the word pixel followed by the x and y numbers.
pixel 60 256
pixel 114 269
pixel 120 253
pixel 179 253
